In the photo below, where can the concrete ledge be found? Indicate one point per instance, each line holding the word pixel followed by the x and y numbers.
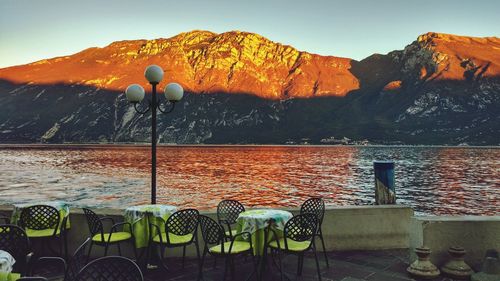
pixel 475 233
pixel 344 228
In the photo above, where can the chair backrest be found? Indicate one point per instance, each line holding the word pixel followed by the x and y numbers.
pixel 77 262
pixel 211 231
pixel 93 221
pixel 301 227
pixel 315 206
pixel 37 278
pixel 40 217
pixel 14 240
pixel 228 210
pixel 110 268
pixel 183 222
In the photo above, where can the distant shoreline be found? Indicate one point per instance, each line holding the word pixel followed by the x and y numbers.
pixel 147 145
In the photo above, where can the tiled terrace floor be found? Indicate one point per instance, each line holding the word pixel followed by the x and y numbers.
pixel 344 266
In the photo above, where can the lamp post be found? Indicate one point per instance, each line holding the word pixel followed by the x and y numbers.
pixel 135 94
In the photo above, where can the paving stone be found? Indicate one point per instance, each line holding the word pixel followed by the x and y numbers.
pixel 344 266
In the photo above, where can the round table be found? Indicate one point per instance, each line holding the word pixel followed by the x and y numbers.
pixel 6 267
pixel 141 216
pixel 61 206
pixel 256 221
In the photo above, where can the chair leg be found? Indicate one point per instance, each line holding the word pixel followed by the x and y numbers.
pixel 90 251
pixel 65 245
pixel 280 265
pixel 183 255
pixel 231 266
pixel 162 256
pixel 300 262
pixel 135 250
pixel 202 260
pixel 324 248
pixel 119 249
pixel 106 249
pixel 317 261
pixel 197 249
pixel 226 266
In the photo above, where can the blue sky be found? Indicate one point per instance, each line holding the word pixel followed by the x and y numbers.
pixel 31 30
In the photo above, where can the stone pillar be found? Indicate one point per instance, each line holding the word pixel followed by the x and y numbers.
pixel 385 190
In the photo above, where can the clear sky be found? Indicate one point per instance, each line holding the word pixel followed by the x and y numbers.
pixel 31 30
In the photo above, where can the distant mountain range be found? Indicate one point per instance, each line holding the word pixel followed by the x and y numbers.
pixel 244 88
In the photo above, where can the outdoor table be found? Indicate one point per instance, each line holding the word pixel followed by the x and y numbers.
pixel 6 263
pixel 141 216
pixel 61 206
pixel 256 222
pixel 6 276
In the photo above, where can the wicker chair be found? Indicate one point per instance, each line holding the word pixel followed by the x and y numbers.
pixel 180 230
pixel 106 239
pixel 216 245
pixel 70 268
pixel 111 268
pixel 43 222
pixel 14 240
pixel 227 213
pixel 298 237
pixel 316 206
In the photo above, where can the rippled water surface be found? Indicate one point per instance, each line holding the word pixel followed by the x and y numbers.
pixel 434 180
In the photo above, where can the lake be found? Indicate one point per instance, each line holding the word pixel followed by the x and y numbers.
pixel 433 180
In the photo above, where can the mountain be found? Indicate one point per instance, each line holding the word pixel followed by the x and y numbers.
pixel 203 62
pixel 244 88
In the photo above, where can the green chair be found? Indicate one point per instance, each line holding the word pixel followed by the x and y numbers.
pixel 43 222
pixel 316 206
pixel 70 267
pixel 105 239
pixel 14 240
pixel 180 230
pixel 215 244
pixel 298 238
pixel 112 268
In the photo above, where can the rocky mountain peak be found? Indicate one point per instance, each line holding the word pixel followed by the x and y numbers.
pixel 203 62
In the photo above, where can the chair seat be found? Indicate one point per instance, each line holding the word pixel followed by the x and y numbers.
pixel 293 245
pixel 231 233
pixel 115 237
pixel 238 247
pixel 33 233
pixel 173 239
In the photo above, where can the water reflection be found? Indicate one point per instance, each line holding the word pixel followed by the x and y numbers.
pixel 432 180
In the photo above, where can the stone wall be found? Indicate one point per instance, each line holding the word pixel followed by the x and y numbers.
pixel 475 234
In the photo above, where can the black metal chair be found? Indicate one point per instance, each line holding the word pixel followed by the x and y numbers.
pixel 180 230
pixel 70 268
pixel 298 237
pixel 105 239
pixel 4 218
pixel 227 213
pixel 110 268
pixel 316 206
pixel 43 222
pixel 14 240
pixel 216 245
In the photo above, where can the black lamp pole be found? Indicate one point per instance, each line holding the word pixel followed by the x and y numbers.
pixel 153 145
pixel 135 94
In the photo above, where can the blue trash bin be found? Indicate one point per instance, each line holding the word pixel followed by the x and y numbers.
pixel 385 189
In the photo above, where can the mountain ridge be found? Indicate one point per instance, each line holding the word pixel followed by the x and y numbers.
pixel 244 88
